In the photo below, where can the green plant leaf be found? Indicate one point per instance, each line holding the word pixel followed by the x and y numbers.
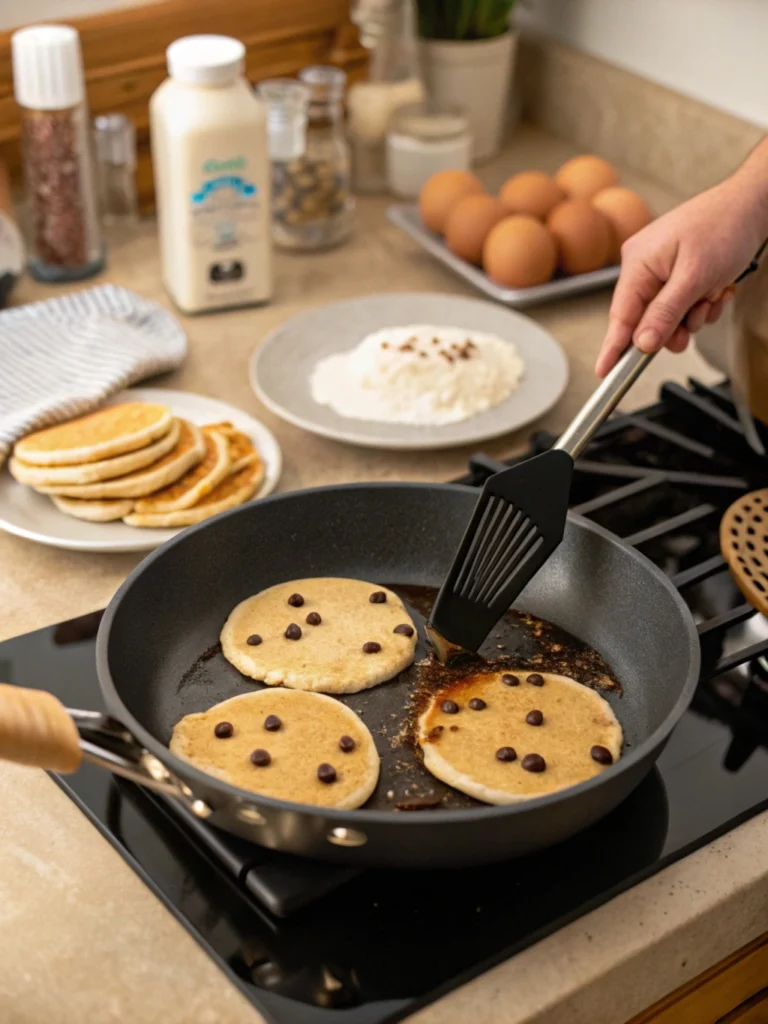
pixel 463 19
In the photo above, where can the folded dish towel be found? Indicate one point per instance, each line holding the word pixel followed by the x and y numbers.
pixel 62 357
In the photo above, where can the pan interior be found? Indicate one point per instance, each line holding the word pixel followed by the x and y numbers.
pixel 162 649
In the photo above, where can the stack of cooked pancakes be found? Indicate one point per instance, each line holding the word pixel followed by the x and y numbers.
pixel 139 463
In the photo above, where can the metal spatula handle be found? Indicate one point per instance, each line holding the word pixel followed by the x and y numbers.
pixel 603 401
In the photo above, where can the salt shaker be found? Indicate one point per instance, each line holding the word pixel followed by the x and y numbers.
pixel 115 139
pixel 65 238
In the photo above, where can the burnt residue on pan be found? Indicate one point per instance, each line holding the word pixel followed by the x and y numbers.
pixel 520 642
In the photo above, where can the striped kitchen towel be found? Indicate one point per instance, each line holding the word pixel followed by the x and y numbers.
pixel 63 357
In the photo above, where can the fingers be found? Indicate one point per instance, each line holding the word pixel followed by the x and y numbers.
pixel 697 317
pixel 679 340
pixel 715 311
pixel 667 311
pixel 636 287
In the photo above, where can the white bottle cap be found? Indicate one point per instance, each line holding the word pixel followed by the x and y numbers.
pixel 47 67
pixel 206 60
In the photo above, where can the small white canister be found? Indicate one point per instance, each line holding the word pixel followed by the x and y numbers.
pixel 422 139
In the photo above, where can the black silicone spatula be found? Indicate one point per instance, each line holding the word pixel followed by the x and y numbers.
pixel 517 523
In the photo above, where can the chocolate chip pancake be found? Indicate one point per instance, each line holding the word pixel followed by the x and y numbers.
pixel 505 737
pixel 327 634
pixel 302 747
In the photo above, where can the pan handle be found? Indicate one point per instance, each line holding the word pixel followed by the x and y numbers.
pixel 36 729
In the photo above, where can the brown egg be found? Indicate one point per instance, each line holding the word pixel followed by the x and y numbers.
pixel 531 192
pixel 441 192
pixel 626 211
pixel 519 252
pixel 584 236
pixel 468 224
pixel 585 176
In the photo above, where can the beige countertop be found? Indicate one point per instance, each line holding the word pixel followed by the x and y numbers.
pixel 81 939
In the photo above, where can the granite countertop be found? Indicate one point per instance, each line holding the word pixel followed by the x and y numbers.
pixel 82 938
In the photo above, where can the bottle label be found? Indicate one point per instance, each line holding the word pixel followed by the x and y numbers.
pixel 227 222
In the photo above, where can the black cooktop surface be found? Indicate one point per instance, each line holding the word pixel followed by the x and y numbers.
pixel 309 943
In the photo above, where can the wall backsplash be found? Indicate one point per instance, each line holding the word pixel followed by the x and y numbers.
pixel 680 142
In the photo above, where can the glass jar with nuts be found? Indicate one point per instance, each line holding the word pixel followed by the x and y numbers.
pixel 312 204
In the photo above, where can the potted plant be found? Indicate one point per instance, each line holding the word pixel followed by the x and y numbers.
pixel 467 53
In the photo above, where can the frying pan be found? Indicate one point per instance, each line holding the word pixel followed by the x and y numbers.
pixel 170 611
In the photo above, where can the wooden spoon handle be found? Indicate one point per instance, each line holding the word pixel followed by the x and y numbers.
pixel 35 729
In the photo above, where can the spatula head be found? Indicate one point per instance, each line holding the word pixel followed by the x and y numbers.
pixel 517 523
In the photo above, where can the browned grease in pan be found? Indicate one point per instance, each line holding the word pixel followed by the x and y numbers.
pixel 519 643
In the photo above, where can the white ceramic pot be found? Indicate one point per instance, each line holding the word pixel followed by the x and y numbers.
pixel 477 76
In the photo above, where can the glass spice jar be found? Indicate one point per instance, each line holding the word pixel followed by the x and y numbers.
pixel 312 204
pixel 65 238
pixel 115 139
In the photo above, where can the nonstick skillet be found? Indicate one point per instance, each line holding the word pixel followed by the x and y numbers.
pixel 158 660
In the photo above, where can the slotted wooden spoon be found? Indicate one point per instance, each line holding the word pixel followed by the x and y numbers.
pixel 744 544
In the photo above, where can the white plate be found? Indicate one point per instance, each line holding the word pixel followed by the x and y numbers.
pixel 35 517
pixel 282 366
pixel 406 216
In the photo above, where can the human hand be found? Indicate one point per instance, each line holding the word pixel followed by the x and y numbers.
pixel 677 274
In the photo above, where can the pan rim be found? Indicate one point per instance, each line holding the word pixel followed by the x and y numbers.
pixel 360 816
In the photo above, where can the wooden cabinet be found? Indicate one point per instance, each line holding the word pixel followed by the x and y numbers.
pixel 732 992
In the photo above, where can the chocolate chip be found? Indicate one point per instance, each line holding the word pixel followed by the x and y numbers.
pixel 347 744
pixel 535 717
pixel 326 773
pixel 261 758
pixel 449 707
pixel 535 679
pixel 371 647
pixel 404 629
pixel 313 619
pixel 477 704
pixel 293 632
pixel 253 640
pixel 223 730
pixel 506 754
pixel 509 680
pixel 378 597
pixel 435 732
pixel 296 600
pixel 272 723
pixel 533 763
pixel 454 728
pixel 601 754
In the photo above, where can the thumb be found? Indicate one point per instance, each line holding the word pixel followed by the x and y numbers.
pixel 666 312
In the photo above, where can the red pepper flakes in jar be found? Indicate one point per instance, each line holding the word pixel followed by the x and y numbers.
pixel 64 233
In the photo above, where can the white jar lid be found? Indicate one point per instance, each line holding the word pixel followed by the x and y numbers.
pixel 206 60
pixel 47 67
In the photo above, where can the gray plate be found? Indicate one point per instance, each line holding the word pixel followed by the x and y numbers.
pixel 406 216
pixel 281 368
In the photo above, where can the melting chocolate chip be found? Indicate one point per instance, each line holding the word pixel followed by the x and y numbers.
pixel 378 597
pixel 477 704
pixel 449 707
pixel 601 754
pixel 454 728
pixel 313 619
pixel 533 763
pixel 509 680
pixel 326 773
pixel 253 640
pixel 272 723
pixel 371 647
pixel 296 600
pixel 506 754
pixel 261 758
pixel 535 679
pixel 293 632
pixel 435 732
pixel 347 744
pixel 404 629
pixel 223 730
pixel 535 717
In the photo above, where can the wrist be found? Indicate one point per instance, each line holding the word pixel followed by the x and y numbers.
pixel 750 190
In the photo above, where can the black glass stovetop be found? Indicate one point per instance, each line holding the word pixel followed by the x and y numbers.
pixel 307 942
